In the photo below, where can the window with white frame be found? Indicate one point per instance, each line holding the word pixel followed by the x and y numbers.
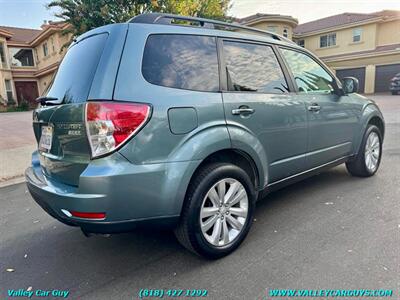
pixel 285 32
pixel 327 40
pixel 301 43
pixel 45 49
pixel 3 61
pixel 8 89
pixel 357 35
pixel 52 45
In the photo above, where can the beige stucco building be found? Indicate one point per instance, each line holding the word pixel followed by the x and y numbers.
pixel 28 60
pixel 280 24
pixel 366 46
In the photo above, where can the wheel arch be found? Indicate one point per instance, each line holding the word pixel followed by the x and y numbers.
pixel 378 122
pixel 215 144
pixel 234 156
pixel 370 115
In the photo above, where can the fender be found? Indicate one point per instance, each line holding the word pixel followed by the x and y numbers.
pixel 217 136
pixel 369 111
pixel 187 156
pixel 207 140
pixel 201 142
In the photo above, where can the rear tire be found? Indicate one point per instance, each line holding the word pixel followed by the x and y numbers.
pixel 394 93
pixel 218 211
pixel 368 159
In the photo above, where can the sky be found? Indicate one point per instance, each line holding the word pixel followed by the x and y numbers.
pixel 32 13
pixel 24 13
pixel 309 10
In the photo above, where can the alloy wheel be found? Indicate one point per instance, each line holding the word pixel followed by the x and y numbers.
pixel 372 151
pixel 224 212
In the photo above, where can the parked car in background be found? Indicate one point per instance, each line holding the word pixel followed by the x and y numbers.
pixel 395 84
pixel 185 127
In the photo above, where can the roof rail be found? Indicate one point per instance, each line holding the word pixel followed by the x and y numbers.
pixel 167 19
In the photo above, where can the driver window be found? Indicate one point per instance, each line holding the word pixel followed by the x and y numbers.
pixel 310 77
pixel 253 68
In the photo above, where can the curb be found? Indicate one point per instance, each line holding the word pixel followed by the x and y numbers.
pixel 12 181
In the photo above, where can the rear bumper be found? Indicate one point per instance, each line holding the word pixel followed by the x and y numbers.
pixel 130 195
pixel 51 202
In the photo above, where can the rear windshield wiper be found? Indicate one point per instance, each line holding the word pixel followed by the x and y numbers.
pixel 44 100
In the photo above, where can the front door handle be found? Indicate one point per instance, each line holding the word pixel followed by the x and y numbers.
pixel 243 111
pixel 314 107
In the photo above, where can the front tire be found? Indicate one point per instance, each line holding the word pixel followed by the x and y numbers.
pixel 368 159
pixel 218 211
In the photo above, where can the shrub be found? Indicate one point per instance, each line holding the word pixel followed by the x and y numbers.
pixel 11 102
pixel 23 105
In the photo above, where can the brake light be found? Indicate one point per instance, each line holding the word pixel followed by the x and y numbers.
pixel 109 124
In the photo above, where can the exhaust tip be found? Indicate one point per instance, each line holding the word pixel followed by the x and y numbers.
pixel 87 234
pixel 90 234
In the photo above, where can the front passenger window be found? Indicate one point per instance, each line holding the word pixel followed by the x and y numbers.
pixel 310 77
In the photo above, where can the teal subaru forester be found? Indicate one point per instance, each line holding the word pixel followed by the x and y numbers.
pixel 184 123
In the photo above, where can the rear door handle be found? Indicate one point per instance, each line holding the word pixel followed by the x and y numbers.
pixel 243 111
pixel 314 107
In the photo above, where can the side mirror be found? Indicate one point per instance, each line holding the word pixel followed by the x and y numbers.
pixel 350 85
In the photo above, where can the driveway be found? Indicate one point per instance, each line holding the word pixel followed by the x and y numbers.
pixel 16 144
pixel 331 231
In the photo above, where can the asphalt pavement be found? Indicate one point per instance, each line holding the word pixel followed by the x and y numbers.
pixel 331 231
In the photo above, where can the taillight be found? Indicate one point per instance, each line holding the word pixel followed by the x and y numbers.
pixel 109 124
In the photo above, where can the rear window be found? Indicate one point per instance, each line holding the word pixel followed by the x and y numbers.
pixel 75 74
pixel 181 61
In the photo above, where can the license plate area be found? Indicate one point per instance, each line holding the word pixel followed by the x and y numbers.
pixel 46 138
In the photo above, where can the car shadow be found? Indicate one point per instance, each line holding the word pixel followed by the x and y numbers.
pixel 336 176
pixel 61 255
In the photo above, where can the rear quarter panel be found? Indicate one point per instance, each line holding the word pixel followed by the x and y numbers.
pixel 156 143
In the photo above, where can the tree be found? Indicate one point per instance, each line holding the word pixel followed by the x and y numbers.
pixel 213 9
pixel 85 15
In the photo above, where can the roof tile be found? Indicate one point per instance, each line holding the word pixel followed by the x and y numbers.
pixel 342 19
pixel 21 35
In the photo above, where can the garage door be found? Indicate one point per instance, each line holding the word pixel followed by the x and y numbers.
pixel 28 91
pixel 383 75
pixel 358 73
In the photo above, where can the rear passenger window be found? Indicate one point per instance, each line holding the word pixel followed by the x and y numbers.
pixel 181 61
pixel 254 68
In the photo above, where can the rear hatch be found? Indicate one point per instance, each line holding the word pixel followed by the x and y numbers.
pixel 59 125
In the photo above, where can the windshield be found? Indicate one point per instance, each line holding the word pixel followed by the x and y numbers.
pixel 75 74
